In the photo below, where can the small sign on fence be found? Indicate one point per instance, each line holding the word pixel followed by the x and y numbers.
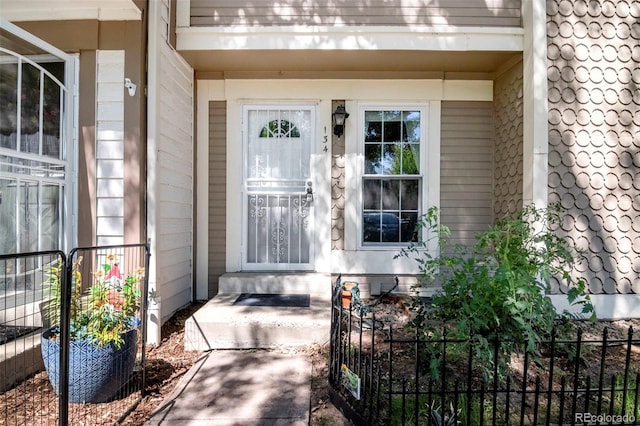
pixel 351 381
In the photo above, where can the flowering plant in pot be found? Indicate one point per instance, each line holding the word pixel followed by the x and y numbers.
pixel 102 333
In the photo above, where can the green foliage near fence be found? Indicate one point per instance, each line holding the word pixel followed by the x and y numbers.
pixel 498 289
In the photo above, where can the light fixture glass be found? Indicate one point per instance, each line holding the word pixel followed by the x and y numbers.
pixel 339 116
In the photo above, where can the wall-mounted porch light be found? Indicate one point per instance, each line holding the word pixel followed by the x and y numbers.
pixel 339 116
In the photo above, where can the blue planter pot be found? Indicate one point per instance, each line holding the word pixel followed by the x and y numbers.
pixel 96 373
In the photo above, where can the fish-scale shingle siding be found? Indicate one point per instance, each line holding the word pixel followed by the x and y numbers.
pixel 507 188
pixel 593 58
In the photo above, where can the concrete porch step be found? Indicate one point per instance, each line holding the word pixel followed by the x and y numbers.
pixel 220 324
pixel 312 283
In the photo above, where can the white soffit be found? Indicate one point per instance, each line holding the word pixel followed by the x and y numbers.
pixel 62 10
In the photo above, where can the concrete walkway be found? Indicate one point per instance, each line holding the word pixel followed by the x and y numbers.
pixel 241 387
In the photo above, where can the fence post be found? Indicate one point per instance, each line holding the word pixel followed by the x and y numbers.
pixel 65 324
pixel 550 385
pixel 144 301
pixel 496 371
pixel 627 364
pixel 576 377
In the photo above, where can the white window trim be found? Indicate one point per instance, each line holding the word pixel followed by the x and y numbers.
pixel 377 259
pixel 429 165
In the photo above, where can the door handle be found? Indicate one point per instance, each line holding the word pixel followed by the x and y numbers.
pixel 309 191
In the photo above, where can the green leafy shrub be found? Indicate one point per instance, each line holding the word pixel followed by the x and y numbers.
pixel 496 292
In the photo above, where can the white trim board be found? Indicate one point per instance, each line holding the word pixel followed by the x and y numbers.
pixel 47 10
pixel 385 90
pixel 322 37
pixel 607 306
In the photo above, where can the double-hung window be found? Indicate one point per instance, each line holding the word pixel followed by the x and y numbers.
pixel 393 175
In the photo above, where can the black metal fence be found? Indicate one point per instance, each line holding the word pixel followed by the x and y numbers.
pixel 50 373
pixel 381 375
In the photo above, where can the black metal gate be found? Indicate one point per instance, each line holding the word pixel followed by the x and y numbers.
pixel 381 375
pixel 52 306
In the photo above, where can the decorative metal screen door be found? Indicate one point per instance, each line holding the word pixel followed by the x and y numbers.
pixel 278 200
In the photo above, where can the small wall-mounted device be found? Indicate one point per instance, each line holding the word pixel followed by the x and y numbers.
pixel 131 86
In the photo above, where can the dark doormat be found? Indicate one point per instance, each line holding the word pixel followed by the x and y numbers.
pixel 278 300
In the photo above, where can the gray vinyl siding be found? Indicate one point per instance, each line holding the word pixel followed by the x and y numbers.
pixel 231 13
pixel 466 169
pixel 217 192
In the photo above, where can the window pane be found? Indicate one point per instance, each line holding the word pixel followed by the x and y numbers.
pixel 392 116
pixel 8 100
pixel 393 128
pixel 390 228
pixel 371 194
pixel 410 159
pixel 408 227
pixel 51 119
pixel 391 195
pixel 391 161
pixel 8 242
pixel 373 131
pixel 30 109
pixel 279 142
pixel 372 159
pixel 393 131
pixel 371 227
pixel 409 194
pixel 411 121
pixel 373 126
pixel 401 159
pixel 28 219
pixel 50 217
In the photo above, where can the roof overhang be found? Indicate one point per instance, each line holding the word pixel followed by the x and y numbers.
pixel 62 10
pixel 340 62
pixel 349 49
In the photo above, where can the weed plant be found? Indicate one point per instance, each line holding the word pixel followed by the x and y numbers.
pixel 495 294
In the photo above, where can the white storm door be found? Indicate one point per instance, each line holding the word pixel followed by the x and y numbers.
pixel 278 199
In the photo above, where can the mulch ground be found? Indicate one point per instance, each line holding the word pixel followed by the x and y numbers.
pixel 33 402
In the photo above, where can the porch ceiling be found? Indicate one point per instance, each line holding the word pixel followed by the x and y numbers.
pixel 47 10
pixel 347 61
